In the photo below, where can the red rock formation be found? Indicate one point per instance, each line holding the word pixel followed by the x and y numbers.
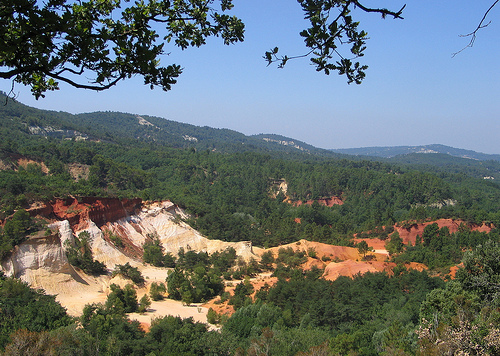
pixel 129 247
pixel 78 211
pixel 410 234
pixel 325 201
pixel 313 262
pixel 321 250
pixel 376 244
pixel 351 268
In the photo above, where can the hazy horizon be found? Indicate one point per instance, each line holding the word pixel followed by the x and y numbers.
pixel 414 94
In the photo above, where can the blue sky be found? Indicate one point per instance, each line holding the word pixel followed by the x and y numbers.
pixel 415 93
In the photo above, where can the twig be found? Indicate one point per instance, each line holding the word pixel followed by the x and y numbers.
pixel 473 33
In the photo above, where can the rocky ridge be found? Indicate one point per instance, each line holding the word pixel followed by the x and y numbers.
pixel 41 260
pixel 42 263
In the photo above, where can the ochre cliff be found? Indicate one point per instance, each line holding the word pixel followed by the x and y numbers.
pixel 38 252
pixel 78 211
pixel 409 234
pixel 323 201
pixel 41 260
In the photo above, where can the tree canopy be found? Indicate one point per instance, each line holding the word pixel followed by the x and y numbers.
pixel 94 44
pixel 103 40
pixel 106 41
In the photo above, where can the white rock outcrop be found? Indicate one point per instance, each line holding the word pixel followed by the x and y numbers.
pixel 42 263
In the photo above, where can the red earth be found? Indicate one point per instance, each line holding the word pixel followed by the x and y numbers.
pixel 325 201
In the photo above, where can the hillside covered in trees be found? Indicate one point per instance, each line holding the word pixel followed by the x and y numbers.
pixel 270 192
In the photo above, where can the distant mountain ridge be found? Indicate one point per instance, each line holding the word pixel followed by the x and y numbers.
pixel 126 128
pixel 139 129
pixel 389 152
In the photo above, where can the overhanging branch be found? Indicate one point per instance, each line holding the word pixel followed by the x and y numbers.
pixel 481 25
pixel 85 86
pixel 384 12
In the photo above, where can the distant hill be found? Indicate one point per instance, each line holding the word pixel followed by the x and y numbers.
pixel 389 152
pixel 288 142
pixel 135 129
pixel 138 130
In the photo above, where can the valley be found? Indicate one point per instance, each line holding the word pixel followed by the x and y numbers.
pixel 156 237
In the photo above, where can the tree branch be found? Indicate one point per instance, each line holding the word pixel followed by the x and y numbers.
pixel 384 12
pixel 11 94
pixel 84 86
pixel 473 33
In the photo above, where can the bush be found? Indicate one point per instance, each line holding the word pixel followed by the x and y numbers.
pixel 129 272
pixel 144 304
pixel 28 309
pixel 81 256
pixel 266 261
pixel 290 257
pixel 213 317
pixel 194 287
pixel 153 252
pixel 122 300
pixel 15 231
pixel 157 290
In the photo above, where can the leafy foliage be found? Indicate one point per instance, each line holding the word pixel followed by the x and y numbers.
pixel 175 336
pixel 395 243
pixel 198 285
pixel 144 304
pixel 61 341
pixel 196 277
pixel 130 272
pixel 112 40
pixel 14 232
pixel 481 271
pixel 241 294
pixel 28 309
pixel 440 249
pixel 157 290
pixel 81 255
pixel 332 26
pixel 122 300
pixel 464 315
pixel 291 258
pixel 110 331
pixel 153 253
pixel 70 39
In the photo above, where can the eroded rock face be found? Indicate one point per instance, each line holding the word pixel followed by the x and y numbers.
pixel 78 211
pixel 163 220
pixel 132 221
pixel 324 201
pixel 42 252
pixel 42 263
pixel 410 233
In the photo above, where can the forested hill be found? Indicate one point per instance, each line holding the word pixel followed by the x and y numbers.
pixel 425 150
pixel 136 129
pixel 228 185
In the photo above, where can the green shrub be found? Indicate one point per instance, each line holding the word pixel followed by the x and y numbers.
pixel 157 290
pixel 80 255
pixel 129 272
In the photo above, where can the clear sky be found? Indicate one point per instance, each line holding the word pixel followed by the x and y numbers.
pixel 415 93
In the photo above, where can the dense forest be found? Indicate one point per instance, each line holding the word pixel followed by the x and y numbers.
pixel 230 185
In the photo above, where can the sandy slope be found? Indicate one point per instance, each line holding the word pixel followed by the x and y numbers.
pixel 42 263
